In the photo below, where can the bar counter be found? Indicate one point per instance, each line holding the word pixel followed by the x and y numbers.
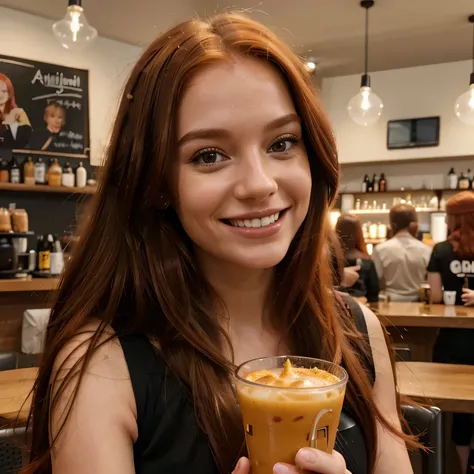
pixel 16 296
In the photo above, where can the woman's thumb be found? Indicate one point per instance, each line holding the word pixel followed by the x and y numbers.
pixel 243 466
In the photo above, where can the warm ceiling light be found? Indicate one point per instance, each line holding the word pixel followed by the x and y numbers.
pixel 74 31
pixel 464 107
pixel 311 65
pixel 366 107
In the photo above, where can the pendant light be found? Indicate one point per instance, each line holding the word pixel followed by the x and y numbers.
pixel 366 107
pixel 74 31
pixel 464 107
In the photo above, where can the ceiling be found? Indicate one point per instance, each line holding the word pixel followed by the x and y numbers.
pixel 404 33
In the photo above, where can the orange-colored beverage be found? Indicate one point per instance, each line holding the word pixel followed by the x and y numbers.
pixel 289 403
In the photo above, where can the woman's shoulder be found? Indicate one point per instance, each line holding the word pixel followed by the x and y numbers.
pixel 365 323
pixel 90 382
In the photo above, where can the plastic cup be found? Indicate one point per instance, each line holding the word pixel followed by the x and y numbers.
pixel 279 421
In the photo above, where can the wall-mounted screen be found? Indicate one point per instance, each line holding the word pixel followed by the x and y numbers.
pixel 413 133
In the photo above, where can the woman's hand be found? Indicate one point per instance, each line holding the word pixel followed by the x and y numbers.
pixel 13 116
pixel 313 460
pixel 350 276
pixel 243 467
pixel 467 297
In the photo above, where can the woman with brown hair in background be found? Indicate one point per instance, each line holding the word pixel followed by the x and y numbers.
pixel 206 248
pixel 450 269
pixel 349 230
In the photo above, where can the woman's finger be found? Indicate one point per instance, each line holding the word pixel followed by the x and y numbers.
pixel 243 467
pixel 318 461
pixel 281 468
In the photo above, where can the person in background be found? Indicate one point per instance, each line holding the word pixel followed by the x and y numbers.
pixel 15 127
pixel 401 261
pixel 349 231
pixel 343 277
pixel 45 138
pixel 450 267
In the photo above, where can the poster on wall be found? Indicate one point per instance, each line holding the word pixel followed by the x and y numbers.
pixel 44 107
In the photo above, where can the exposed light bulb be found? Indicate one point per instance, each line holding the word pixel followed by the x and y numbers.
pixel 311 65
pixel 74 31
pixel 366 107
pixel 464 107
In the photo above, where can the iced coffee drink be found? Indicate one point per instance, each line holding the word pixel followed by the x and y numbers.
pixel 288 403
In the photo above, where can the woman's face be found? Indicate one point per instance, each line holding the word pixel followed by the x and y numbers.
pixel 54 118
pixel 4 96
pixel 244 182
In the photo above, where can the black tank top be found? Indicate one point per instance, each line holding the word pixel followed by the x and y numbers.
pixel 169 439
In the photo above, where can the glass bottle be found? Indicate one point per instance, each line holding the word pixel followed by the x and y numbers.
pixel 54 174
pixel 14 171
pixel 29 171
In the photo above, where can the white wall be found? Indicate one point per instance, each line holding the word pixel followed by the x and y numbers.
pixel 406 93
pixel 108 62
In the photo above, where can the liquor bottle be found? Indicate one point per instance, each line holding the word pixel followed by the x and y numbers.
pixel 44 254
pixel 463 182
pixel 55 174
pixel 376 182
pixel 14 171
pixel 383 183
pixel 452 179
pixel 365 184
pixel 370 186
pixel 4 172
pixel 29 171
pixel 40 171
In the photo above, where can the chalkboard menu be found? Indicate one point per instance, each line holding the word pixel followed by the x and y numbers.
pixel 44 108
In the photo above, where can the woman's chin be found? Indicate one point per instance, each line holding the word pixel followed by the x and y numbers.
pixel 258 260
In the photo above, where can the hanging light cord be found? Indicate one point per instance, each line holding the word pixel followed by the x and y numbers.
pixel 473 46
pixel 367 41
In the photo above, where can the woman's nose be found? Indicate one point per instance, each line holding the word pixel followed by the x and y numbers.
pixel 256 181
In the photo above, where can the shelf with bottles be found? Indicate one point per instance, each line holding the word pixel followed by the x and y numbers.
pixel 40 188
pixel 379 185
pixel 40 176
pixel 386 211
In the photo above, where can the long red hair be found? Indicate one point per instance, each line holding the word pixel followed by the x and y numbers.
pixel 349 230
pixel 11 103
pixel 133 267
pixel 460 211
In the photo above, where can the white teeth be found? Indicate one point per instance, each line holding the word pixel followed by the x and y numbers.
pixel 255 223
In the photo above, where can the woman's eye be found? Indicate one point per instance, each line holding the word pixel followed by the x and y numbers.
pixel 281 146
pixel 208 158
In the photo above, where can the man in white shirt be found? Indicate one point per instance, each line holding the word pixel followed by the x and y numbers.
pixel 401 262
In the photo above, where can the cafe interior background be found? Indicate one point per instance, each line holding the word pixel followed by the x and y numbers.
pixel 420 58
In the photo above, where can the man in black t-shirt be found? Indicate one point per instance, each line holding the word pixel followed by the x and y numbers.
pixel 453 271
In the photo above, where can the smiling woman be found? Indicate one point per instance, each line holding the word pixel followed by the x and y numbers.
pixel 206 247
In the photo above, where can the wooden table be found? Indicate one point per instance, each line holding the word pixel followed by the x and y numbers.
pixel 15 386
pixel 416 326
pixel 449 387
pixel 418 315
pixel 16 296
